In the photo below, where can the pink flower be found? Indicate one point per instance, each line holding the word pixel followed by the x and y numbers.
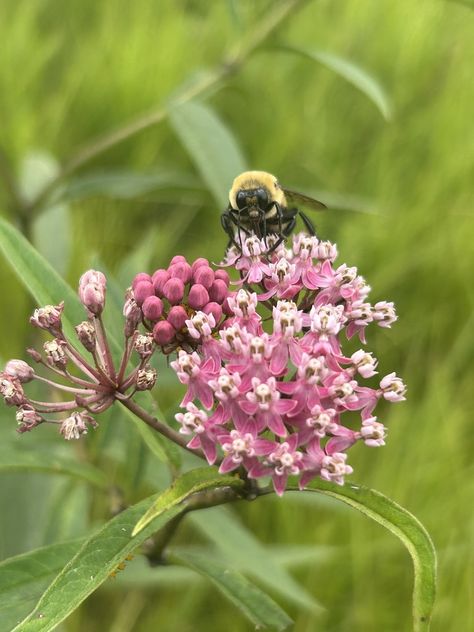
pixel 195 422
pixel 373 433
pixel 241 448
pixel 393 388
pixel 283 461
pixel 196 376
pixel 251 262
pixel 264 403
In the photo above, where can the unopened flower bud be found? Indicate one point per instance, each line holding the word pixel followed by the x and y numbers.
pixel 204 275
pixel 177 316
pixel 180 270
pixel 222 275
pixel 132 314
pixel 146 379
pixel 163 333
pixel 178 259
pixel 92 285
pixel 11 390
pixel 215 309
pixel 198 296
pixel 143 345
pixel 138 278
pixel 152 308
pixel 55 354
pixel 201 261
pixel 35 355
pixel 218 291
pixel 86 334
pixel 27 418
pixel 76 425
pixel 20 370
pixel 159 278
pixel 173 290
pixel 142 291
pixel 48 318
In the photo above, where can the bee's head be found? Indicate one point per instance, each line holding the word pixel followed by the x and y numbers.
pixel 252 202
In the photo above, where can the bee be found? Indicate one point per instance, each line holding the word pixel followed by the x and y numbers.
pixel 258 205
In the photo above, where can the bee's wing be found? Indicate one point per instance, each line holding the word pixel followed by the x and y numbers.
pixel 305 200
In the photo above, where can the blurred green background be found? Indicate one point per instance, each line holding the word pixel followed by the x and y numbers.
pixel 393 156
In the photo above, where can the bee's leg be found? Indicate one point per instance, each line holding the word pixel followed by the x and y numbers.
pixel 284 231
pixel 227 223
pixel 308 223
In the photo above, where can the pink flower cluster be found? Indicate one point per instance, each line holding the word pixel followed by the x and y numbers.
pixel 169 296
pixel 283 400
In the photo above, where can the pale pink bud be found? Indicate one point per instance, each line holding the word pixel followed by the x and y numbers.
pixel 215 309
pixel 218 291
pixel 178 259
pixel 138 278
pixel 365 363
pixel 204 275
pixel 163 332
pixel 159 279
pixel 146 378
pixel 152 307
pixel 334 468
pixel 373 433
pixel 132 314
pixel 173 290
pixel 142 291
pixel 180 270
pixel 198 296
pixel 198 263
pixel 177 316
pixel 20 370
pixel 222 275
pixel 86 334
pixel 34 354
pixel 384 313
pixel 48 317
pixel 92 286
pixel 55 354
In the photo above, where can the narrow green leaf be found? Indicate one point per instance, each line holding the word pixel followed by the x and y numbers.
pixel 12 460
pixel 244 551
pixel 351 72
pixel 24 577
pixel 91 566
pixel 54 220
pixel 38 276
pixel 211 145
pixel 47 287
pixel 256 605
pixel 405 526
pixel 124 184
pixel 188 483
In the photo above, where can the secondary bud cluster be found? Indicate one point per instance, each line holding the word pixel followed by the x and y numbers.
pixel 92 381
pixel 171 296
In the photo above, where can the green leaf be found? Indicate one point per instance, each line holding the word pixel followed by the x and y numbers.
pixel 54 220
pixel 124 184
pixel 244 551
pixel 92 565
pixel 12 460
pixel 405 526
pixel 188 483
pixel 351 72
pixel 256 605
pixel 211 145
pixel 47 287
pixel 23 578
pixel 38 276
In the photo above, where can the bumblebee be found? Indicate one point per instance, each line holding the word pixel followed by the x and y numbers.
pixel 258 205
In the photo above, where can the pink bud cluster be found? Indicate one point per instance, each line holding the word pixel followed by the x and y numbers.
pixel 171 296
pixel 283 400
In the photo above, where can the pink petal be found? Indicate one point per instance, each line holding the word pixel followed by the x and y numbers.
pixel 279 359
pixel 263 446
pixel 249 407
pixel 279 483
pixel 274 423
pixel 284 406
pixel 227 465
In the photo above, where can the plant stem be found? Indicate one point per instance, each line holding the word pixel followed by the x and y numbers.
pixel 231 64
pixel 159 426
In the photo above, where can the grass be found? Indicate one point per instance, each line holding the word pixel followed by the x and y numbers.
pixel 71 71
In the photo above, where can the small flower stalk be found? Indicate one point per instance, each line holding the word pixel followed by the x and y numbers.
pixel 270 391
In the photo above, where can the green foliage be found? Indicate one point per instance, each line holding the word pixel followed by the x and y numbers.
pixel 97 66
